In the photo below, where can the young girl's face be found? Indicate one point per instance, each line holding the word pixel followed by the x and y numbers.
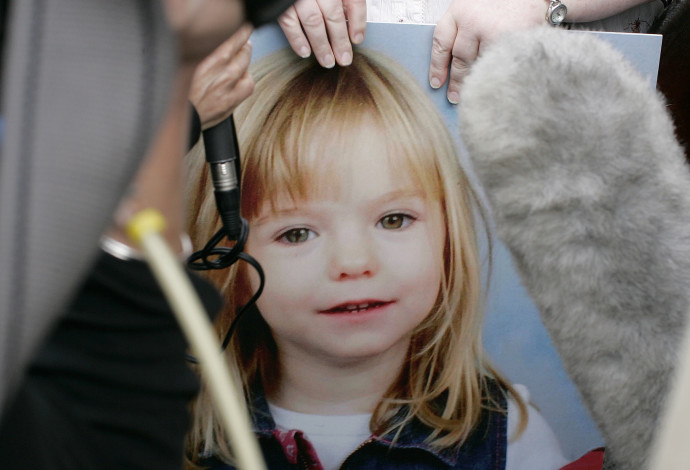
pixel 353 270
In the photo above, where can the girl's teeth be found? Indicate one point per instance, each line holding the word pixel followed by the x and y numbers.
pixel 352 308
pixel 355 307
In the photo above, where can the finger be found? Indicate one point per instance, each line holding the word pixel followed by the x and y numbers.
pixel 289 23
pixel 445 33
pixel 238 66
pixel 356 13
pixel 243 88
pixel 218 81
pixel 314 25
pixel 336 26
pixel 234 43
pixel 217 94
pixel 464 54
pixel 223 54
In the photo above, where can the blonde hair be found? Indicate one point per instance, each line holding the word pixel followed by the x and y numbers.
pixel 296 126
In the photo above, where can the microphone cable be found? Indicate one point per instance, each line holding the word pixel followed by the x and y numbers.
pixel 223 156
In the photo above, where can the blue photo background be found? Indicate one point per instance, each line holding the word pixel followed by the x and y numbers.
pixel 514 336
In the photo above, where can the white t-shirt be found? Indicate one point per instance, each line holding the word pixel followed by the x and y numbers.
pixel 336 437
pixel 635 20
pixel 333 437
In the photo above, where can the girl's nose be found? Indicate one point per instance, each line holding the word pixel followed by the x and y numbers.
pixel 352 257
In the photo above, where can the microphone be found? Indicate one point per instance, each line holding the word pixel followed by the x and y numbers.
pixel 261 12
pixel 590 192
pixel 223 157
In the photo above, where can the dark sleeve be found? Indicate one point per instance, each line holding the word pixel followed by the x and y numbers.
pixel 110 387
pixel 194 127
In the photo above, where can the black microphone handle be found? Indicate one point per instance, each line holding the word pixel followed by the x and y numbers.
pixel 223 157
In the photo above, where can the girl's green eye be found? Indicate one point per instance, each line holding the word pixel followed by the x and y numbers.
pixel 296 235
pixel 395 221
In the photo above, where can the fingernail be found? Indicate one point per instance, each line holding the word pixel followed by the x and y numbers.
pixel 346 58
pixel 304 52
pixel 435 82
pixel 328 61
pixel 453 97
pixel 359 37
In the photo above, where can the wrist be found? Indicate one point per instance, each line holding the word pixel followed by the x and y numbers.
pixel 121 247
pixel 584 11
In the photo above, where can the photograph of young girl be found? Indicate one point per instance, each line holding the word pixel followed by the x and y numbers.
pixel 367 348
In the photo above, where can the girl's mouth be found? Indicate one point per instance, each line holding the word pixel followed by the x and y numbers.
pixel 358 307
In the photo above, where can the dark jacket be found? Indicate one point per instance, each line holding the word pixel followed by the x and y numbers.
pixel 109 388
pixel 484 449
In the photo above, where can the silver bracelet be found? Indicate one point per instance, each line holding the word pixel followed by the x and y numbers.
pixel 125 252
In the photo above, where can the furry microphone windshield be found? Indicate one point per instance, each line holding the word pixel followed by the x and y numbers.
pixel 590 192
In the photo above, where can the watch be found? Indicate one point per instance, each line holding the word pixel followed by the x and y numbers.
pixel 556 12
